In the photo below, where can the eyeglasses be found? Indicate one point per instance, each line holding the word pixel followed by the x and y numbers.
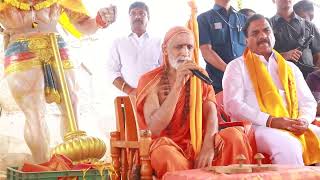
pixel 140 14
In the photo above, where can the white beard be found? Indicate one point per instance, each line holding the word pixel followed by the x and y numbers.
pixel 176 62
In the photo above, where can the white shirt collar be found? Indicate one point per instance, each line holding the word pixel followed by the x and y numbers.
pixel 262 59
pixel 144 35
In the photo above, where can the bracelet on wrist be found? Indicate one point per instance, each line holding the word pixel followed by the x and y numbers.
pixel 270 121
pixel 123 85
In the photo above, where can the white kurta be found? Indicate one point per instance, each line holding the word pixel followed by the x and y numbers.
pixel 240 103
pixel 132 56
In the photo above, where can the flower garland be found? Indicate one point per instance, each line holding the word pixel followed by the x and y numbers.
pixel 27 6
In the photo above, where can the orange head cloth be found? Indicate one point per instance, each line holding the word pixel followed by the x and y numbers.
pixel 169 35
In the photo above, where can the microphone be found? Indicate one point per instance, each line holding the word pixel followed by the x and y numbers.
pixel 201 76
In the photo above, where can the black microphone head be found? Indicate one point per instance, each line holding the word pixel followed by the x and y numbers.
pixel 201 76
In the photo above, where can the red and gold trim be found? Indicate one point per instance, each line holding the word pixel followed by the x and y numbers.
pixel 31 63
pixel 26 53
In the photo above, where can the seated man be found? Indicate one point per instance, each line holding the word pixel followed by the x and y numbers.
pixel 313 80
pixel 163 107
pixel 264 88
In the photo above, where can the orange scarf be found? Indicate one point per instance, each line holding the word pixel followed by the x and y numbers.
pixel 270 101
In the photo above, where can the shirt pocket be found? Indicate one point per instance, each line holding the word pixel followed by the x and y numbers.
pixel 218 35
pixel 151 58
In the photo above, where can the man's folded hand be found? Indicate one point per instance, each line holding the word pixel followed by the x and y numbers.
pixel 300 128
pixel 296 126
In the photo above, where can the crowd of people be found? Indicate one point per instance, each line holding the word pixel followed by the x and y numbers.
pixel 267 69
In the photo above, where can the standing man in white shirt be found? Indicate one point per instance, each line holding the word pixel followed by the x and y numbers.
pixel 264 88
pixel 133 55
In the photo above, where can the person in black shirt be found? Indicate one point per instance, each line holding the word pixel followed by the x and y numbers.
pixel 291 33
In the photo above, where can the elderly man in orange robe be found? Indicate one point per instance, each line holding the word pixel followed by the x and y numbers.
pixel 163 97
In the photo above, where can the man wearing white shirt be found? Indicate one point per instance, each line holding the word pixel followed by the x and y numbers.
pixel 262 87
pixel 133 55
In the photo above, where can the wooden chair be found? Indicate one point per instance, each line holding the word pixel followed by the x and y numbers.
pixel 128 149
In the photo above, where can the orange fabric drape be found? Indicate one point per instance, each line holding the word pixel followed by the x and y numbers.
pixel 62 163
pixel 179 124
pixel 167 156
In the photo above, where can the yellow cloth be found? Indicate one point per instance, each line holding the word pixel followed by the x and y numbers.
pixel 270 101
pixel 195 87
pixel 75 6
pixel 67 25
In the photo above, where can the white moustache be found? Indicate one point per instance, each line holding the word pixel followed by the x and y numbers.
pixel 183 59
